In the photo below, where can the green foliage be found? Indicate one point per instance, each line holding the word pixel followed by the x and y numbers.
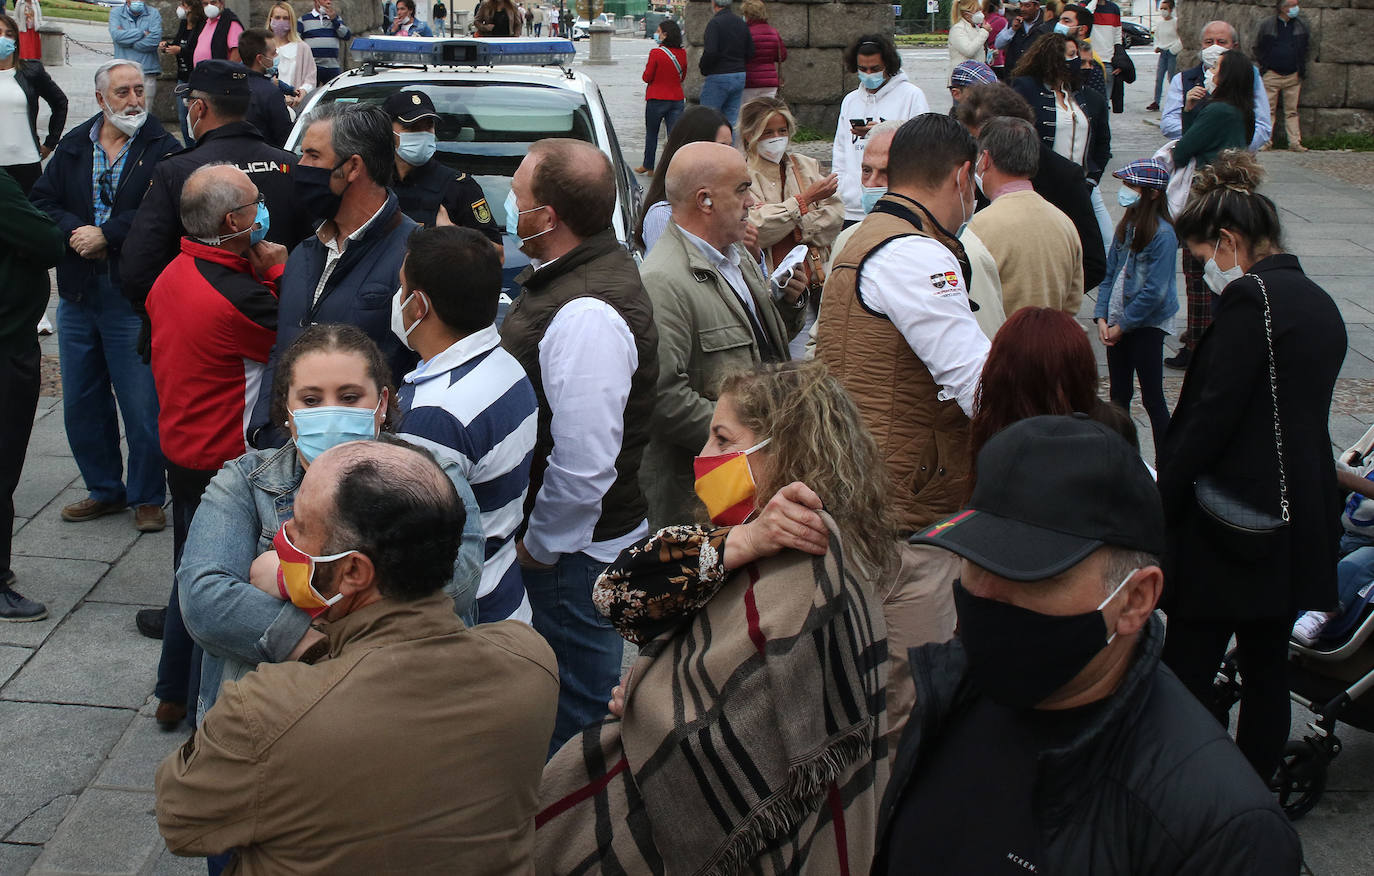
pixel 73 9
pixel 1347 141
pixel 804 134
pixel 922 39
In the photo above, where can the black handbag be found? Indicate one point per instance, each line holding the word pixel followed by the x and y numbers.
pixel 1218 502
pixel 1122 65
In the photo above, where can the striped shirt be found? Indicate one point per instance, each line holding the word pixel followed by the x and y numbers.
pixel 473 404
pixel 322 35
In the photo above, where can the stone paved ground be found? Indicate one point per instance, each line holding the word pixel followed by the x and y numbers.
pixel 77 741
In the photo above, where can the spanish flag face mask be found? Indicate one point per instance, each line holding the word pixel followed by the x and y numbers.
pixel 726 486
pixel 296 573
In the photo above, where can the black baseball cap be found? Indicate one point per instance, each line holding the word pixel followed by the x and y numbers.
pixel 1050 491
pixel 223 78
pixel 408 107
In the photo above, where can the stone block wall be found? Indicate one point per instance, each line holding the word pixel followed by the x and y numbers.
pixel 816 33
pixel 1338 94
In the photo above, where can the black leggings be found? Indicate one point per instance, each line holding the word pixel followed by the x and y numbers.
pixel 1194 651
pixel 1139 353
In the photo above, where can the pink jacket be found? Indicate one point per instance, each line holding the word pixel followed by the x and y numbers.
pixel 761 70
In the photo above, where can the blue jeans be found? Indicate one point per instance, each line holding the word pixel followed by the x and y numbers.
pixel 587 647
pixel 1164 71
pixel 95 340
pixel 656 111
pixel 1104 219
pixel 722 91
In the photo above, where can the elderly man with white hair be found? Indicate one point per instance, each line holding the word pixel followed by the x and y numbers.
pixel 715 309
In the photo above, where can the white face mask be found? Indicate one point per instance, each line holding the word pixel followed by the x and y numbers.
pixel 772 149
pixel 181 12
pixel 978 19
pixel 212 12
pixel 978 179
pixel 127 123
pixel 1211 55
pixel 1217 279
pixel 398 320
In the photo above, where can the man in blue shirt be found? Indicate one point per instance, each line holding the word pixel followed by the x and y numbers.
pixel 136 31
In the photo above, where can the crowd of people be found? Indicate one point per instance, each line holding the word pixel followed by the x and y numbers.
pixel 833 457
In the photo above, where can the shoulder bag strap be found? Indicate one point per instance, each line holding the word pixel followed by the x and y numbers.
pixel 1274 395
pixel 671 57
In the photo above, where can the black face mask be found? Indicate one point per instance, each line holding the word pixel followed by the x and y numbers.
pixel 1074 66
pixel 1018 657
pixel 310 187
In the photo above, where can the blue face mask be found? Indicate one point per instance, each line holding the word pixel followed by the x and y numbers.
pixel 1061 28
pixel 513 214
pixel 7 47
pixel 1293 13
pixel 1127 197
pixel 658 37
pixel 318 429
pixel 137 7
pixel 869 195
pixel 263 221
pixel 416 147
pixel 872 81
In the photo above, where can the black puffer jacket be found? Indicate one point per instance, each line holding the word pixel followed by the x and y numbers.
pixel 1153 787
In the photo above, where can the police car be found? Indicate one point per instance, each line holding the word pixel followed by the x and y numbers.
pixel 494 97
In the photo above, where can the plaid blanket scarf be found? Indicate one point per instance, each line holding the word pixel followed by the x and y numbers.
pixel 752 740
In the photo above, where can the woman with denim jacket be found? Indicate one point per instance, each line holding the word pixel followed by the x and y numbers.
pixel 1138 298
pixel 236 623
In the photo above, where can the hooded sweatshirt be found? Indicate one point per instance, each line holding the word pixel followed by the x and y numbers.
pixel 898 99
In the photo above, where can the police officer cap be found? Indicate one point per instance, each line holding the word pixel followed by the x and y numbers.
pixel 222 78
pixel 408 107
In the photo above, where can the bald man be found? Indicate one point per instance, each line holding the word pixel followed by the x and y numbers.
pixel 583 330
pixel 716 312
pixel 213 313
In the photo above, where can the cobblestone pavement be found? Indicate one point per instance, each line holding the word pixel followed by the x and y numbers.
pixel 77 741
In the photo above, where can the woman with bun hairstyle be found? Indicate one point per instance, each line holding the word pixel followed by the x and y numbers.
pixel 1252 430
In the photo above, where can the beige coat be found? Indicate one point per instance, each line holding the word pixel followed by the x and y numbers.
pixel 703 335
pixel 1038 252
pixel 416 746
pixel 778 214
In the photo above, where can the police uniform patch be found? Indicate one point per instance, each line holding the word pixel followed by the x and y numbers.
pixel 937 280
pixel 481 211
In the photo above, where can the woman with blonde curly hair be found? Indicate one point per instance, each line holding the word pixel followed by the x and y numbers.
pixel 762 652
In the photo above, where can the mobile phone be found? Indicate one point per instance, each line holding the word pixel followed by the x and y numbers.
pixel 857 123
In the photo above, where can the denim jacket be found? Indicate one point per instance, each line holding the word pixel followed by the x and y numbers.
pixel 1151 291
pixel 238 625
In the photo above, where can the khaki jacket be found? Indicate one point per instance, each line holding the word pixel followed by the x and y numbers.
pixel 703 335
pixel 778 215
pixel 415 746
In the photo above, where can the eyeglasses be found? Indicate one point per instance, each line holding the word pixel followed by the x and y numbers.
pixel 262 199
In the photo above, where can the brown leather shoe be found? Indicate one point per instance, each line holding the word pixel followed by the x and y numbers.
pixel 170 715
pixel 150 518
pixel 89 509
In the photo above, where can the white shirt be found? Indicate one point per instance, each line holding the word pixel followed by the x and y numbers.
pixel 16 134
pixel 908 282
pixel 334 250
pixel 587 357
pixel 1070 128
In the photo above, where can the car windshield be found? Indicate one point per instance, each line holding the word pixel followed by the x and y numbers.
pixel 486 129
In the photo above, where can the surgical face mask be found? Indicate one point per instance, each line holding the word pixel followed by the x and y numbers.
pixel 1293 13
pixel 253 231
pixel 1061 28
pixel 872 81
pixel 296 575
pixel 271 72
pixel 181 12
pixel 965 211
pixel 416 147
pixel 978 178
pixel 280 27
pixel 1166 14
pixel 513 214
pixel 261 223
pixel 7 47
pixel 137 7
pixel 211 11
pixel 1127 197
pixel 772 149
pixel 725 485
pixel 310 186
pixel 398 320
pixel 1211 55
pixel 658 38
pixel 1017 657
pixel 869 195
pixel 318 429
pixel 978 18
pixel 127 123
pixel 1217 279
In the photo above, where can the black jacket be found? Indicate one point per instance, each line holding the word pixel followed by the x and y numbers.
pixel 155 238
pixel 64 193
pixel 1267 34
pixel 726 45
pixel 1094 107
pixel 186 43
pixel 1061 182
pixel 267 110
pixel 1224 426
pixel 1153 786
pixel 219 43
pixel 35 82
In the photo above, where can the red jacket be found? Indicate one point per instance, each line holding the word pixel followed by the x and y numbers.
pixel 214 322
pixel 665 80
pixel 761 70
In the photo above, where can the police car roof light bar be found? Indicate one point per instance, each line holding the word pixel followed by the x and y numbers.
pixel 465 51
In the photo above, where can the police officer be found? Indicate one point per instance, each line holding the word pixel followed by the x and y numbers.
pixel 430 192
pixel 217 97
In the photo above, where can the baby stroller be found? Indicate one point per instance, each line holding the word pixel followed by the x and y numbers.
pixel 1332 678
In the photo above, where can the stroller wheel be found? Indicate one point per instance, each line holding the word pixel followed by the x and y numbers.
pixel 1301 778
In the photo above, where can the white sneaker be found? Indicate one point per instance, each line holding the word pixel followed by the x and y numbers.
pixel 1309 627
pixel 45 326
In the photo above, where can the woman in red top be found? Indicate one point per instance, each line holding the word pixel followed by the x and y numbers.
pixel 763 70
pixel 663 99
